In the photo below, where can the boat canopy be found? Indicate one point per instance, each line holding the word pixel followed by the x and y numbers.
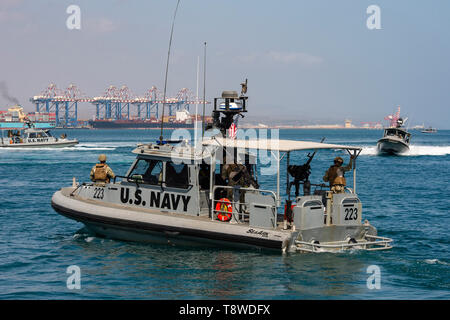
pixel 275 144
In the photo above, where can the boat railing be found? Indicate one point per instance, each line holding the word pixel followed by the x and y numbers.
pixel 238 211
pixel 368 243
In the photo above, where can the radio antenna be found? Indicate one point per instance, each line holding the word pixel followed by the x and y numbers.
pixel 167 71
pixel 204 92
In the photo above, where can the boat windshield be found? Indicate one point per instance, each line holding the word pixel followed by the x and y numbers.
pixel 38 135
pixel 150 171
pixel 394 132
pixel 13 133
pixel 177 175
pixel 147 171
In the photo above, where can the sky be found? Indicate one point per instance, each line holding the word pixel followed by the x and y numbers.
pixel 312 61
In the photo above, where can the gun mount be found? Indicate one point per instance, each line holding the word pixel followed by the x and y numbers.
pixel 227 107
pixel 301 174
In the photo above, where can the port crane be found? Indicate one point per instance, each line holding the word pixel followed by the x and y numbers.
pixel 116 103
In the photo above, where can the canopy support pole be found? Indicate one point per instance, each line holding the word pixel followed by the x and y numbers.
pixel 277 156
pixel 355 155
pixel 354 174
pixel 212 171
pixel 287 175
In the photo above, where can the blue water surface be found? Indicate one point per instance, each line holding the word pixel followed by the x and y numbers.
pixel 406 197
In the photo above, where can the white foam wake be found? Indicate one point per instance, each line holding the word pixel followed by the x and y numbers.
pixel 414 150
pixel 108 144
pixel 74 148
pixel 103 145
pixel 436 261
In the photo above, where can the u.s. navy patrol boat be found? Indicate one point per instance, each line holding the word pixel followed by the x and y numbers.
pixel 175 193
pixel 395 139
pixel 29 136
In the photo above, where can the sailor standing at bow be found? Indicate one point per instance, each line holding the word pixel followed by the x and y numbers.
pixel 101 173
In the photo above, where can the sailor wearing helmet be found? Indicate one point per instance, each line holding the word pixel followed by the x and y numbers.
pixel 335 175
pixel 101 173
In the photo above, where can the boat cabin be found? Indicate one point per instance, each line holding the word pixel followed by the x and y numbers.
pixel 399 133
pixel 26 135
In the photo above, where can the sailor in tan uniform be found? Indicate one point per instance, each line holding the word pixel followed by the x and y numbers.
pixel 101 173
pixel 335 175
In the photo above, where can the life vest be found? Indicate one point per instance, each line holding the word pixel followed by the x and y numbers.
pixel 225 208
pixel 336 176
pixel 339 181
pixel 100 173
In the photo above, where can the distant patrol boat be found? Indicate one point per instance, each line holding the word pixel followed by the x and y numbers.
pixel 29 136
pixel 175 193
pixel 396 138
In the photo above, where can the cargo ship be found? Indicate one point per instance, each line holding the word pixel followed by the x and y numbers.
pixel 137 124
pixel 15 117
pixel 182 120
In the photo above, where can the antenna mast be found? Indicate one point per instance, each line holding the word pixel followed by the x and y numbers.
pixel 204 92
pixel 167 70
pixel 196 104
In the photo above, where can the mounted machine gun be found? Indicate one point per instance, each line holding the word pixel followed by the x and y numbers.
pixel 301 173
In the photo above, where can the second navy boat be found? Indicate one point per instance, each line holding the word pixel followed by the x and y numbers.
pixel 29 136
pixel 395 140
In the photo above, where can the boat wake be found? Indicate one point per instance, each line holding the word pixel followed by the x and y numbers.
pixel 414 150
pixel 436 261
pixel 81 147
pixel 74 148
pixel 84 147
pixel 106 145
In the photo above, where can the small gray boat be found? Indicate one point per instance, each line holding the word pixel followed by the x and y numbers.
pixel 31 137
pixel 395 140
pixel 429 130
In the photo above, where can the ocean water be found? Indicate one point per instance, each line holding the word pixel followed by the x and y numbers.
pixel 406 197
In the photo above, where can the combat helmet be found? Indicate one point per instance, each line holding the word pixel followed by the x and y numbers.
pixel 338 160
pixel 102 158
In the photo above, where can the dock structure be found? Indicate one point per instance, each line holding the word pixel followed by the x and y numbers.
pixel 64 103
pixel 148 106
pixel 114 104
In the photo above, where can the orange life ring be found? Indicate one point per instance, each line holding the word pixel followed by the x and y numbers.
pixel 224 205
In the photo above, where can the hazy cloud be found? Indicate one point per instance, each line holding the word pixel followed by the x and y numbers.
pixel 7 12
pixel 5 4
pixel 294 57
pixel 283 57
pixel 101 25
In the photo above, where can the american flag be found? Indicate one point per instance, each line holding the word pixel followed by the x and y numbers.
pixel 232 131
